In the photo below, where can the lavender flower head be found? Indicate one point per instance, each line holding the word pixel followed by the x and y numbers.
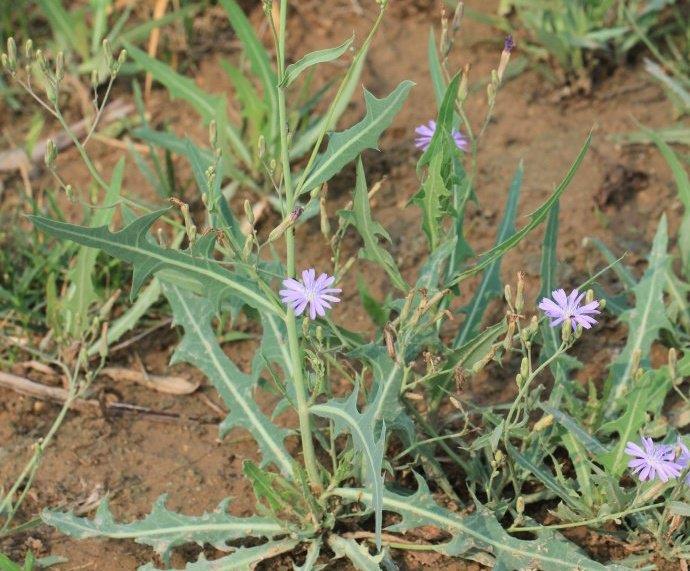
pixel 653 461
pixel 509 44
pixel 426 131
pixel 311 291
pixel 563 307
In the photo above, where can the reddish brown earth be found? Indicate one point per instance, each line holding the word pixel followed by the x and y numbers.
pixel 618 195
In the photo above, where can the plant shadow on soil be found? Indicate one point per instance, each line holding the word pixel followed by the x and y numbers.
pixel 136 459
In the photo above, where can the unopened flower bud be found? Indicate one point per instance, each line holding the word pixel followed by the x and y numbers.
pixel 213 133
pixel 589 296
pixel 60 66
pixel 11 53
pixel 50 154
pixel 524 367
pixel 508 47
pixel 248 246
pixel 602 304
pixel 249 212
pixel 672 363
pixel 108 52
pixel 520 505
pixel 279 230
pixel 519 380
pixel 507 293
pixel 567 330
pixel 69 191
pixel 543 423
pixel 262 146
pixel 29 49
pixel 325 223
pixel 520 294
pixel 121 58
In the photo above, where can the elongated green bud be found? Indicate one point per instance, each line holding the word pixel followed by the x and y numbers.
pixel 508 294
pixel 60 66
pixel 520 294
pixel 50 154
pixel 12 53
pixel 108 52
pixel 249 212
pixel 213 133
pixel 29 49
pixel 520 505
pixel 279 230
pixel 567 330
pixel 543 423
pixel 524 367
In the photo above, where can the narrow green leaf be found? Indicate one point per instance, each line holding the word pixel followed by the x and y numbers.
pixel 344 146
pixel 644 321
pixel 435 69
pixel 163 529
pixel 82 293
pixel 544 475
pixel 200 348
pixel 64 25
pixel 209 107
pixel 683 185
pixel 575 428
pixel 434 200
pixel 490 286
pixel 257 55
pixel 537 217
pixel 293 71
pixel 360 218
pixel 132 245
pixel 362 427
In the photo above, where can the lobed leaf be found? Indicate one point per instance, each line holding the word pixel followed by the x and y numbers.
pixel 131 244
pixel 479 531
pixel 200 348
pixel 360 218
pixel 362 428
pixel 163 529
pixel 344 146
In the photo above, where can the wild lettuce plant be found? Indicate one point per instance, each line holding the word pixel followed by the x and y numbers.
pixel 388 438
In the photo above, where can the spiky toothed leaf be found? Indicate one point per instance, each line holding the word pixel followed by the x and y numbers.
pixel 358 554
pixel 163 529
pixel 434 196
pixel 200 348
pixel 312 557
pixel 132 245
pixel 370 230
pixel 273 349
pixel 479 531
pixel 490 286
pixel 293 71
pixel 647 397
pixel 344 146
pixel 644 321
pixel 363 429
pixel 242 559
pixel 536 218
pixel 385 389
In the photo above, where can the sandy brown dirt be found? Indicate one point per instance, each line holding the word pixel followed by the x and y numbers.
pixel 135 459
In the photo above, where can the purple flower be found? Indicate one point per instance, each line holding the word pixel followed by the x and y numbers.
pixel 655 460
pixel 568 307
pixel 509 44
pixel 312 291
pixel 426 131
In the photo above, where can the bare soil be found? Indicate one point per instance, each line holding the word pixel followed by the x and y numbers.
pixel 618 196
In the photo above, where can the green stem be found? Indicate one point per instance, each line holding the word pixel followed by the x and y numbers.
pixel 290 320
